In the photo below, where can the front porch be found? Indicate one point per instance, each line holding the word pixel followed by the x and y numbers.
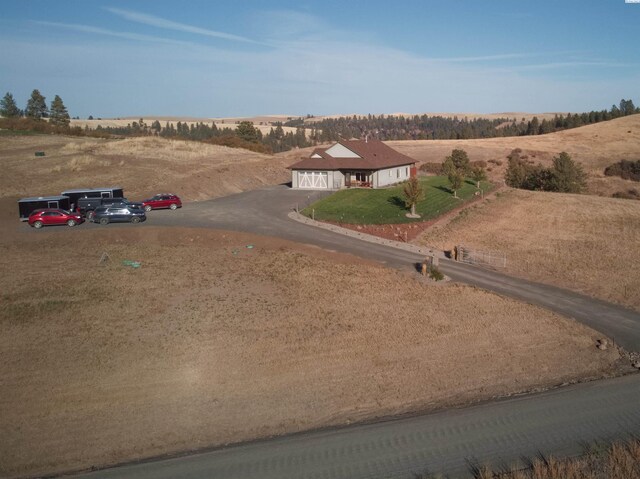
pixel 358 179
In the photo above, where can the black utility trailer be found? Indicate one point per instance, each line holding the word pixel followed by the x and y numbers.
pixel 27 205
pixel 74 195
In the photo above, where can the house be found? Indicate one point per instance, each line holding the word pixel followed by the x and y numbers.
pixel 352 163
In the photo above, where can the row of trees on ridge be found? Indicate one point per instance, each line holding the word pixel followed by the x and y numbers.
pixel 36 109
pixel 308 131
pixel 424 127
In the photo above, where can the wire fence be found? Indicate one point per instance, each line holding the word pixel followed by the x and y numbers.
pixel 496 259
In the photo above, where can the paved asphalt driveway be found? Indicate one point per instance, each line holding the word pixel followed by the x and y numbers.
pixel 558 421
pixel 265 212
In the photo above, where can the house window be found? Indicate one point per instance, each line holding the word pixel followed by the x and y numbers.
pixel 398 172
pixel 406 173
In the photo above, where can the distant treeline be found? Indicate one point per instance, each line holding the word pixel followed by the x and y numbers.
pixel 424 127
pixel 246 135
pixel 417 127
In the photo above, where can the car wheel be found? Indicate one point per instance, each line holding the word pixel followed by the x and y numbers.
pixel 90 214
pixel 147 208
pixel 71 223
pixel 38 224
pixel 135 219
pixel 173 206
pixel 104 221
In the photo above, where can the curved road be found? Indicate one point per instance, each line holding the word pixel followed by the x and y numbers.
pixel 453 441
pixel 559 421
pixel 265 212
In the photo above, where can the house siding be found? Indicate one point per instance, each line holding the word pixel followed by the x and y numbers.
pixel 337 181
pixel 390 176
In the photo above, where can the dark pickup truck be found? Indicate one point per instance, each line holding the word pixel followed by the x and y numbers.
pixel 86 206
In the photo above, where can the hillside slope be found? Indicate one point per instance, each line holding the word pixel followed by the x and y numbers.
pixel 142 166
pixel 594 146
pixel 584 243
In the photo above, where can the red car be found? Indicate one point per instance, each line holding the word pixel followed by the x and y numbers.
pixel 54 216
pixel 163 200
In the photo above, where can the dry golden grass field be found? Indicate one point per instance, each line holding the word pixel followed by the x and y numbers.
pixel 211 342
pixel 204 346
pixel 142 166
pixel 586 243
pixel 620 460
pixel 594 146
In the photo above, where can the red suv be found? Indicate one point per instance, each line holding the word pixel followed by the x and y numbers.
pixel 54 216
pixel 163 200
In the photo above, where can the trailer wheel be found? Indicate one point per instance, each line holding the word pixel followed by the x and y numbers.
pixel 104 221
pixel 37 224
pixel 71 223
pixel 135 219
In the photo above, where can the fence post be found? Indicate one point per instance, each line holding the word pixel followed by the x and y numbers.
pixel 313 214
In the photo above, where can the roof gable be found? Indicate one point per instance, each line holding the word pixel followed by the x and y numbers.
pixel 341 151
pixel 354 155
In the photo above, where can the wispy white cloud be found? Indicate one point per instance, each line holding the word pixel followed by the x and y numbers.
pixel 317 68
pixel 502 56
pixel 111 33
pixel 571 64
pixel 163 23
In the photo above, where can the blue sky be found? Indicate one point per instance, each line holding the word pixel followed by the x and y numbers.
pixel 213 58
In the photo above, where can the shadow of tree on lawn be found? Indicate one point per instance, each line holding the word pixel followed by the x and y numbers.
pixel 397 201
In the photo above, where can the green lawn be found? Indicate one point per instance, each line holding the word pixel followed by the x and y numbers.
pixel 386 206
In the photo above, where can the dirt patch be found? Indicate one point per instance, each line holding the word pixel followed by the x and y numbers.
pixel 221 337
pixel 584 243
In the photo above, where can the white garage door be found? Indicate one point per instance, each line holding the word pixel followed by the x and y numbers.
pixel 312 179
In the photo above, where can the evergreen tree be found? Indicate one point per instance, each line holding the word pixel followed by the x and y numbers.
pixel 247 131
pixel 567 175
pixel 516 173
pixel 533 127
pixel 627 107
pixel 615 111
pixel 36 106
pixel 58 114
pixel 545 127
pixel 8 107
